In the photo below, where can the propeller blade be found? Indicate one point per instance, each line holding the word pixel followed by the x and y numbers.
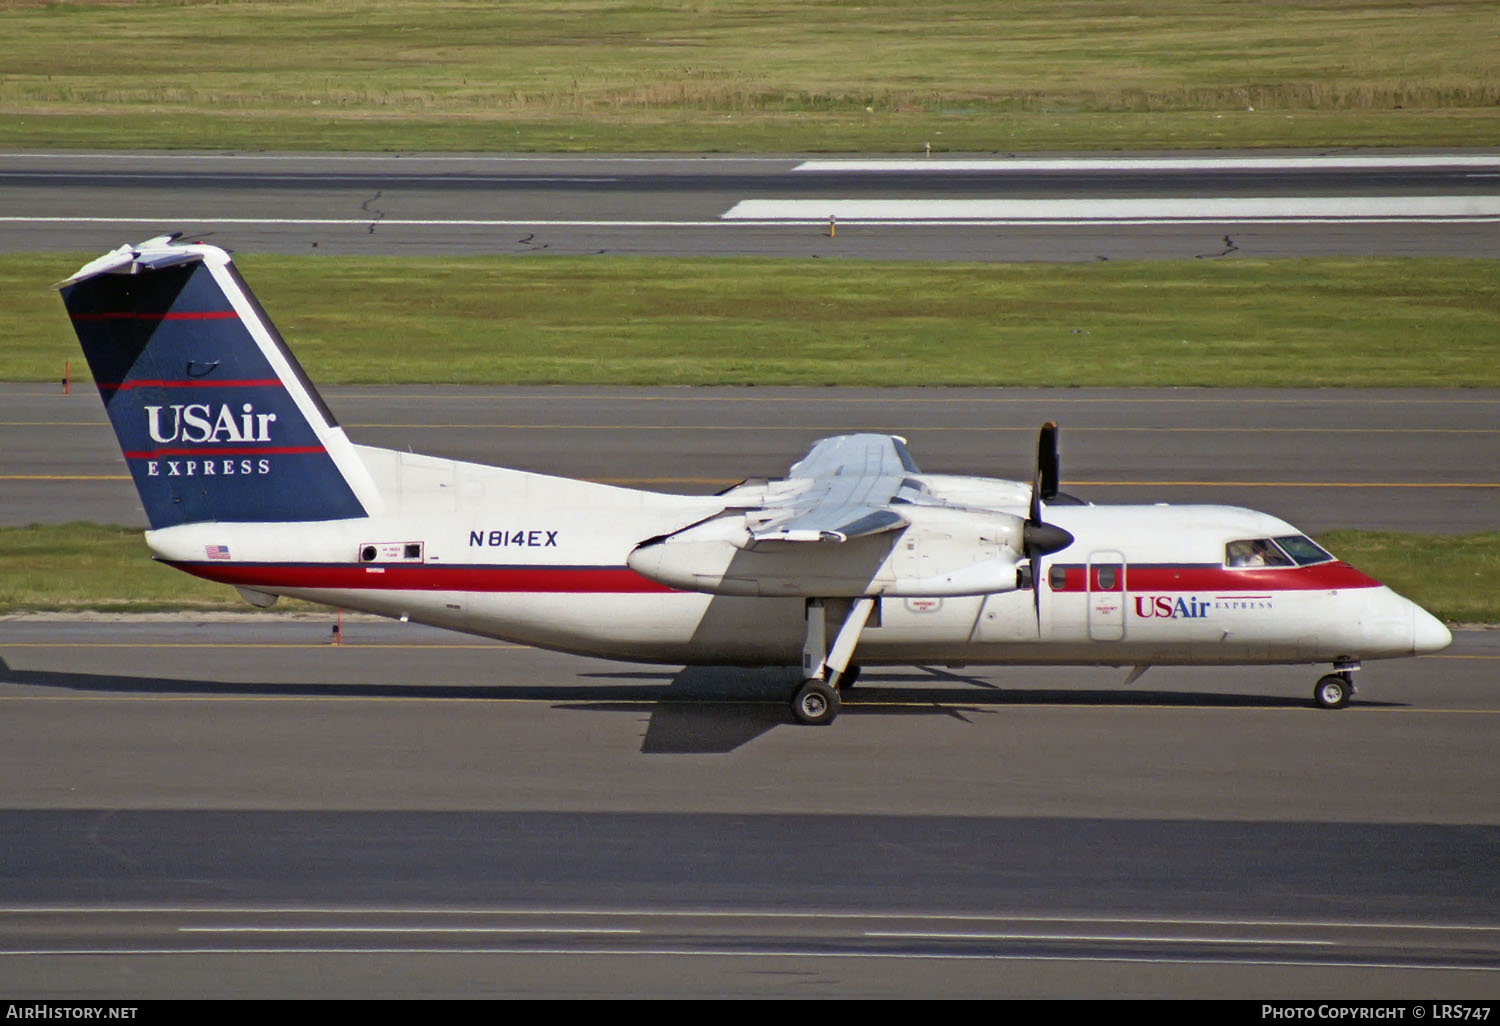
pixel 1034 514
pixel 1048 464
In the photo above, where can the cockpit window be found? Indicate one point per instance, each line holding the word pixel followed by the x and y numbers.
pixel 1255 552
pixel 1303 549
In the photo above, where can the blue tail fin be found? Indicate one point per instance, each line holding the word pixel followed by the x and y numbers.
pixel 216 419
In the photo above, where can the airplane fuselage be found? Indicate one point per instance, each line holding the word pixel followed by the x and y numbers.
pixel 544 561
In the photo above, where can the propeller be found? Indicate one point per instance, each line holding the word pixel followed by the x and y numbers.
pixel 1039 538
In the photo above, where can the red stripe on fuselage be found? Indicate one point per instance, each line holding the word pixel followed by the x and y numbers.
pixel 120 386
pixel 623 580
pixel 165 315
pixel 264 450
pixel 1160 578
pixel 418 577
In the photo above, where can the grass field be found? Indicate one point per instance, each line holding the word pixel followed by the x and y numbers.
pixel 1449 575
pixel 76 567
pixel 639 321
pixel 781 75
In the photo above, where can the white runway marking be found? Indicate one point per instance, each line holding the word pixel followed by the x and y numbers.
pixel 751 214
pixel 1320 163
pixel 1073 211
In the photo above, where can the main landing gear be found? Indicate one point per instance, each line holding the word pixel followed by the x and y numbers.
pixel 1335 689
pixel 825 669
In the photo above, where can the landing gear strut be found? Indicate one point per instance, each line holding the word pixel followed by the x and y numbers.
pixel 1335 689
pixel 827 668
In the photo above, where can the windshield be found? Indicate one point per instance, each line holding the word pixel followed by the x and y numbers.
pixel 1288 550
pixel 1303 549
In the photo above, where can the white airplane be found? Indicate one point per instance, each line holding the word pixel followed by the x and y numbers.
pixel 247 479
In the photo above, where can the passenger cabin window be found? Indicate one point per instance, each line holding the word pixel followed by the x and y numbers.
pixel 1057 578
pixel 1255 552
pixel 1303 549
pixel 1106 577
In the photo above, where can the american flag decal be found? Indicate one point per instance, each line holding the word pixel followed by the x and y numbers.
pixel 216 551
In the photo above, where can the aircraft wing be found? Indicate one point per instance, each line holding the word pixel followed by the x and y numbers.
pixel 843 488
pixel 788 537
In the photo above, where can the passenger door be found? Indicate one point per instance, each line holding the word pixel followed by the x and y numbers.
pixel 1106 596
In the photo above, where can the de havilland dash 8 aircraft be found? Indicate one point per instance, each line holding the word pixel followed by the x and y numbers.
pixel 855 558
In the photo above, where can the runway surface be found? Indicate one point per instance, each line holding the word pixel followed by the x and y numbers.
pixel 1114 207
pixel 233 809
pixel 1412 460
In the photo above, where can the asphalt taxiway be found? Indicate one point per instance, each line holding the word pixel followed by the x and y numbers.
pixel 1419 460
pixel 244 809
pixel 236 809
pixel 1113 206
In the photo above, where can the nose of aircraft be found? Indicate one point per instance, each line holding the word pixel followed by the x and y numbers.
pixel 1428 634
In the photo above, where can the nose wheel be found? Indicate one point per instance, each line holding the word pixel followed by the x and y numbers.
pixel 1333 691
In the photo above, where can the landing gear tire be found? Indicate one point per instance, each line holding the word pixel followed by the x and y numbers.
pixel 1332 692
pixel 815 703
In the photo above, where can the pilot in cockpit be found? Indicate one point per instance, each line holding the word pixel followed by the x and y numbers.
pixel 1250 552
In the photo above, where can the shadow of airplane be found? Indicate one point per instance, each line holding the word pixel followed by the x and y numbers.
pixel 693 710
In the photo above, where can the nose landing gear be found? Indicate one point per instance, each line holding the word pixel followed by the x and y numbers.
pixel 1334 690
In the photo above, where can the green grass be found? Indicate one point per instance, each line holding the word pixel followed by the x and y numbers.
pixel 1452 576
pixel 655 321
pixel 787 133
pixel 77 567
pixel 784 75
